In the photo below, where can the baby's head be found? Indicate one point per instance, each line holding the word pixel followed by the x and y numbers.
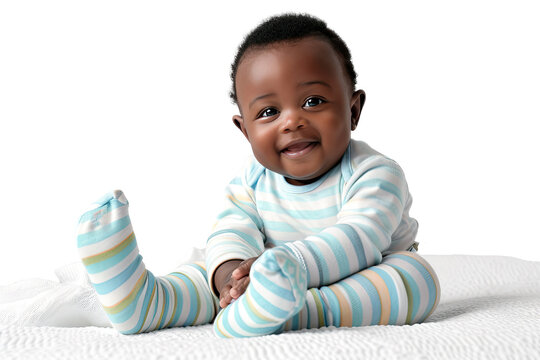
pixel 294 84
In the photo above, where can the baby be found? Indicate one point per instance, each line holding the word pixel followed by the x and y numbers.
pixel 315 232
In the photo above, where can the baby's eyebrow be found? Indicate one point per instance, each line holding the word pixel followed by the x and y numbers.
pixel 260 97
pixel 307 83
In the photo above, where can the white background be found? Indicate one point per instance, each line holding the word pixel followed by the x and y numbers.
pixel 99 95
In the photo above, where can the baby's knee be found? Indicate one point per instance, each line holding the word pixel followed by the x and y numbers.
pixel 421 282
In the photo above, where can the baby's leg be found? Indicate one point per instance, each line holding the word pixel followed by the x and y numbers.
pixel 403 289
pixel 134 299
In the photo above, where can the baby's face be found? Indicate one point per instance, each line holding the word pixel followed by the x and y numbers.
pixel 297 107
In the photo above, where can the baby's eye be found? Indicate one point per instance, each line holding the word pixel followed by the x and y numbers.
pixel 313 101
pixel 268 112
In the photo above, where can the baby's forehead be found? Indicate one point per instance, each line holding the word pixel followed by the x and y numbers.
pixel 301 54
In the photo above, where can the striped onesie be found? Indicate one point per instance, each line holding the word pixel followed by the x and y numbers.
pixel 336 252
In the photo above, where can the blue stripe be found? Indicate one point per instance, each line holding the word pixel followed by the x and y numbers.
pixel 319 260
pixel 120 279
pixel 255 172
pixel 373 238
pixel 346 165
pixel 234 248
pixel 373 297
pixel 129 310
pixel 318 214
pixel 268 188
pixel 274 288
pixel 397 211
pixel 243 302
pixel 339 253
pixel 192 292
pixel 178 295
pixel 268 306
pixel 393 169
pixel 165 289
pixel 150 282
pixel 355 240
pixel 355 303
pixel 242 213
pixel 105 232
pixel 308 320
pixel 334 305
pixel 99 212
pixel 380 184
pixel 254 243
pixel 156 302
pixel 426 275
pixel 224 316
pixel 236 181
pixel 394 299
pixel 281 226
pixel 295 322
pixel 415 291
pixel 199 269
pixel 264 330
pixel 208 299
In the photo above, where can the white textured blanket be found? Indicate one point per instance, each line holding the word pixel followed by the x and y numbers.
pixel 489 309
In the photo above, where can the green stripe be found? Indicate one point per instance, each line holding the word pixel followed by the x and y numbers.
pixel 410 298
pixel 319 307
pixel 109 253
pixel 128 300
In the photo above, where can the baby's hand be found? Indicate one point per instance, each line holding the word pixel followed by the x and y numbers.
pixel 237 284
pixel 241 275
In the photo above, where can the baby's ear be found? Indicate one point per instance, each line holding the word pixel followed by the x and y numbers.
pixel 239 122
pixel 357 103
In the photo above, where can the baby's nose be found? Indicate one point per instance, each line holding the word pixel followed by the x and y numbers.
pixel 291 121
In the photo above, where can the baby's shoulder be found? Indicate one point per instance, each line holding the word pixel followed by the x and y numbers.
pixel 361 158
pixel 253 171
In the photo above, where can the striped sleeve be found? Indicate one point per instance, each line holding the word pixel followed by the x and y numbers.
pixel 237 233
pixel 373 201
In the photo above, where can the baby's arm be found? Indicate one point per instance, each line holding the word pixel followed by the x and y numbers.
pixel 375 203
pixel 237 238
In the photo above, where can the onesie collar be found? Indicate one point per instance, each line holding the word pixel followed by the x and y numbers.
pixel 299 189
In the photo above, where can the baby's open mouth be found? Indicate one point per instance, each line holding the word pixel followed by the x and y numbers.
pixel 299 149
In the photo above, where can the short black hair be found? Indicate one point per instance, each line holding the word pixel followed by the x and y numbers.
pixel 290 27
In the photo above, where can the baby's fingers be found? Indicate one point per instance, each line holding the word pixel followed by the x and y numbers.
pixel 225 301
pixel 225 297
pixel 240 287
pixel 243 269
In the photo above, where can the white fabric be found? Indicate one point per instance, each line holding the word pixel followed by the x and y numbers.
pixel 69 302
pixel 490 308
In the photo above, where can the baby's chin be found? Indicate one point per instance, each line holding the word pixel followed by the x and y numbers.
pixel 301 180
pixel 296 174
pixel 307 174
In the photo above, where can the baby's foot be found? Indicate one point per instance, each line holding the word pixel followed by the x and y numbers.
pixel 276 292
pixel 100 220
pixel 109 252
